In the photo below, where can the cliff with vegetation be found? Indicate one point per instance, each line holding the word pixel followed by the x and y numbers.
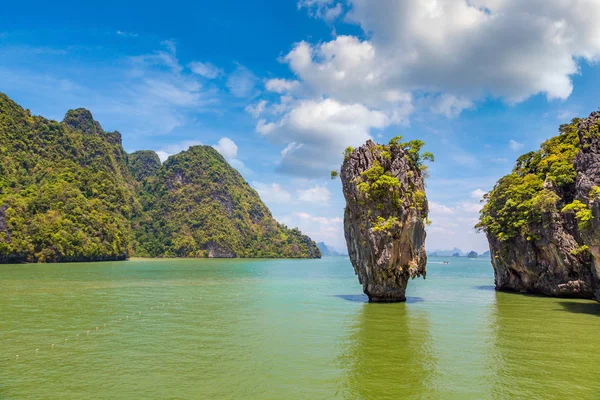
pixel 543 220
pixel 199 206
pixel 69 192
pixel 385 216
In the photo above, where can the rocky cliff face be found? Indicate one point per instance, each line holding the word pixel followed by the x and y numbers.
pixel 543 220
pixel 384 220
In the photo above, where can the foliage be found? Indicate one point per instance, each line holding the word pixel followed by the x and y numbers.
pixel 348 151
pixel 334 174
pixel 516 204
pixel 583 214
pixel 66 192
pixel 580 250
pixel 196 202
pixel 69 192
pixel 384 225
pixel 595 193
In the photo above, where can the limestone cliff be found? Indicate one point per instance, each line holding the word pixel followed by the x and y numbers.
pixel 385 215
pixel 543 220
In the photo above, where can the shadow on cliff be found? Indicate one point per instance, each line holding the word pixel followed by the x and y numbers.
pixel 581 308
pixel 363 298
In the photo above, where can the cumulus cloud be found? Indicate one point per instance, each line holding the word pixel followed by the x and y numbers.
pixel 508 48
pixel 317 194
pixel 316 132
pixel 281 85
pixel 228 149
pixel 205 69
pixel 514 145
pixel 445 55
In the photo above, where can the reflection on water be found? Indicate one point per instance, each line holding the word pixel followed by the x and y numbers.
pixel 542 351
pixel 363 298
pixel 279 329
pixel 389 354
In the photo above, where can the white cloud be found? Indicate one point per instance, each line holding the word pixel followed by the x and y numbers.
pixel 445 54
pixel 205 69
pixel 281 85
pixel 227 148
pixel 437 208
pixel 514 145
pixel 175 148
pixel 507 48
pixel 316 132
pixel 450 106
pixel 470 207
pixel 155 95
pixel 317 194
pixel 242 82
pixel 326 229
pixel 257 109
pixel 272 193
pixel 478 194
pixel 323 9
pixel 126 34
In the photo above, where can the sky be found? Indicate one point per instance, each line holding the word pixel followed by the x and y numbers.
pixel 281 87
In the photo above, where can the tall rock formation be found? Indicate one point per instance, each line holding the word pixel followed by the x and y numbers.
pixel 543 220
pixel 385 216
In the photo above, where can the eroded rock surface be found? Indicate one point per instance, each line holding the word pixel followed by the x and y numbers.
pixel 384 219
pixel 543 220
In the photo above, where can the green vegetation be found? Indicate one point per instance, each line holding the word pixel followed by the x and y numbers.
pixel 582 213
pixel 69 192
pixel 334 174
pixel 64 188
pixel 379 186
pixel 348 151
pixel 197 202
pixel 580 250
pixel 539 182
pixel 385 225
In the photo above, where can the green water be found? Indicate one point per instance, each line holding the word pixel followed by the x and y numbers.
pixel 285 329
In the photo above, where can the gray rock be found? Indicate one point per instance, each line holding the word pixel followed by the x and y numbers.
pixel 385 259
pixel 552 264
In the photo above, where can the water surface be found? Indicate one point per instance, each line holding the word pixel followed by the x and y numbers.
pixel 285 329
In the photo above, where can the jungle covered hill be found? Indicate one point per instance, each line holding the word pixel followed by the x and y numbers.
pixel 69 192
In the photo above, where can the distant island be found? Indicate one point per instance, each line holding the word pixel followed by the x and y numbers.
pixel 458 253
pixel 328 251
pixel 69 192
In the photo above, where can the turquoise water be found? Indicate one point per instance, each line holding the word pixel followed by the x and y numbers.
pixel 285 329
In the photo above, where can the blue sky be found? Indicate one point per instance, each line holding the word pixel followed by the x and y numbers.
pixel 281 87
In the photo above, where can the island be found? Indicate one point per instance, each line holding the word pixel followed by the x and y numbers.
pixel 542 220
pixel 385 216
pixel 70 192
